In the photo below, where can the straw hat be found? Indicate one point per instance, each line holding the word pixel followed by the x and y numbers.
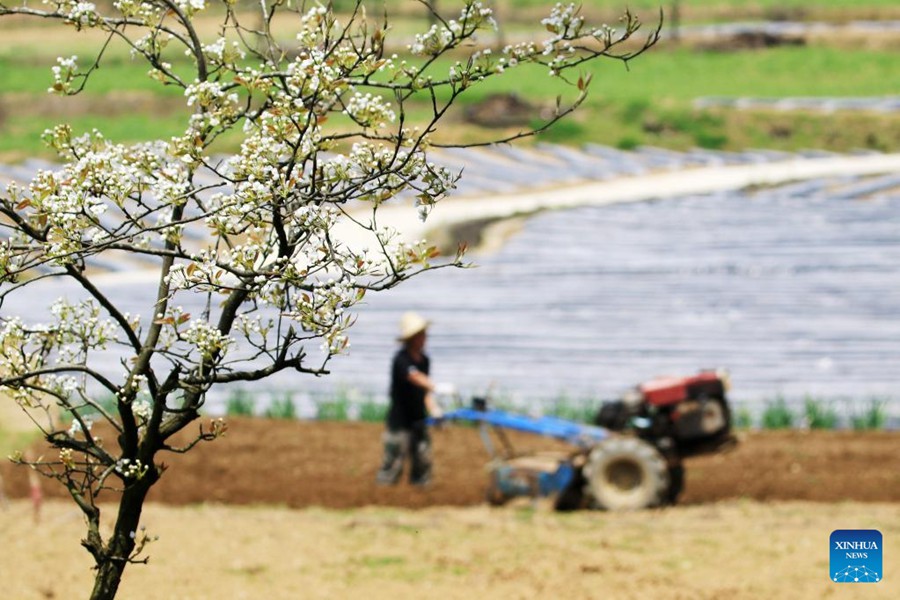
pixel 411 324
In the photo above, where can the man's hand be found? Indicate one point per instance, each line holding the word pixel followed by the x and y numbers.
pixel 434 409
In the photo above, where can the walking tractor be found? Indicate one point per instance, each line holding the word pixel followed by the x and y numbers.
pixel 631 458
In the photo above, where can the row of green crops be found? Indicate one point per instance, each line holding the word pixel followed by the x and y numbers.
pixel 349 405
pixel 341 407
pixel 813 413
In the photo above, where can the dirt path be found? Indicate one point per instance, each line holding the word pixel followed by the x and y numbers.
pixel 327 464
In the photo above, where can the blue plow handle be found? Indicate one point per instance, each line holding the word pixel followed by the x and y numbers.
pixel 568 431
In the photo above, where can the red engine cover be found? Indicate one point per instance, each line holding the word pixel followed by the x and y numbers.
pixel 664 391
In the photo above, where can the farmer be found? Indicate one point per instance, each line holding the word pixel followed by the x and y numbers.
pixel 412 400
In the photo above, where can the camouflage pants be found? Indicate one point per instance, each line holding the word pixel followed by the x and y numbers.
pixel 398 445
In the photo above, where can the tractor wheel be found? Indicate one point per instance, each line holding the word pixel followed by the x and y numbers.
pixel 626 473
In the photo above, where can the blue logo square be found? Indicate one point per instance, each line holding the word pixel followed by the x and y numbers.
pixel 856 556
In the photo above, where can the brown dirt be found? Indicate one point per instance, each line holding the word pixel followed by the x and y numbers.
pixel 328 464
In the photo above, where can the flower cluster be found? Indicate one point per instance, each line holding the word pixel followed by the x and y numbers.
pixel 216 108
pixel 221 52
pixel 25 351
pixel 173 318
pixel 76 428
pixel 433 42
pixel 64 73
pixel 78 328
pixel 313 27
pixel 66 458
pixel 13 361
pixel 10 261
pixel 218 426
pixel 209 341
pixel 204 94
pixel 405 255
pixel 440 38
pixel 323 311
pixel 137 180
pixel 369 111
pixel 81 14
pixel 376 173
pixel 142 409
pixel 191 7
pixel 147 12
pixel 254 326
pixel 134 384
pixel 564 21
pixel 131 469
pixel 151 44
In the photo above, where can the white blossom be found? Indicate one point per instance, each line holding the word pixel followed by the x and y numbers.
pixel 208 340
pixel 142 410
pixel 64 73
pixel 131 469
pixel 369 110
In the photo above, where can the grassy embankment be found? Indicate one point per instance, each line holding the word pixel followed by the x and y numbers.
pixel 650 104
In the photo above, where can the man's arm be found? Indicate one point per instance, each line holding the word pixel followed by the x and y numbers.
pixel 420 379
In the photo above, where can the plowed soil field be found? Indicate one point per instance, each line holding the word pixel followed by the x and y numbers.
pixel 332 465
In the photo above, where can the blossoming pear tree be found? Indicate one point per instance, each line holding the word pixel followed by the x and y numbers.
pixel 325 138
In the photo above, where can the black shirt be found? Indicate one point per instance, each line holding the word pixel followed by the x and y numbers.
pixel 407 399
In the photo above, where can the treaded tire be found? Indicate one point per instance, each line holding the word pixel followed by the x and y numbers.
pixel 626 473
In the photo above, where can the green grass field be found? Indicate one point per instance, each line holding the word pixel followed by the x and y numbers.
pixel 664 74
pixel 650 103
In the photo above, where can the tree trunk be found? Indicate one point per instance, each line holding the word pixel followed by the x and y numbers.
pixel 106 581
pixel 115 557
